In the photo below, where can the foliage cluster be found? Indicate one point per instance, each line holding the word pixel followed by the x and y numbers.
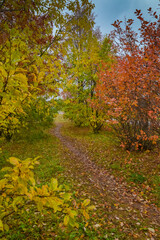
pixel 128 91
pixel 30 57
pixel 19 191
pixel 86 49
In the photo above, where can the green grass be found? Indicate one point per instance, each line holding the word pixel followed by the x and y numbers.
pixel 31 224
pixel 104 149
pixel 30 144
pixel 137 178
pixel 33 143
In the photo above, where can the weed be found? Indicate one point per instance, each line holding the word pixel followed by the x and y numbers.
pixel 137 178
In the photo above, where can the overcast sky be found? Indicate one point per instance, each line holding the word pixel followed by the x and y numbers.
pixel 107 11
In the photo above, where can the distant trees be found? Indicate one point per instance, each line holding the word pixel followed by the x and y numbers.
pixel 85 50
pixel 78 62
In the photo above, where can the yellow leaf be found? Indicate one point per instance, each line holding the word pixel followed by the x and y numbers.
pixel 91 208
pixel 40 206
pixel 66 196
pixel 5 169
pixel 21 77
pixel 32 181
pixel 66 220
pixel 2 183
pixel 6 227
pixel 54 184
pixel 13 160
pixel 85 214
pixel 1 225
pixel 16 202
pixel 3 71
pixel 86 202
pixel 72 213
pixel 76 225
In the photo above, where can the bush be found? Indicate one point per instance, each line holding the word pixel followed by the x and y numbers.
pixel 129 90
pixel 19 192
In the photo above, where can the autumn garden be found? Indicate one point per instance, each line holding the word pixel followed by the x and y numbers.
pixel 79 123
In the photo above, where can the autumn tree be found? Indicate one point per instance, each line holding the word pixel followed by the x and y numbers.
pixel 85 51
pixel 129 91
pixel 80 34
pixel 105 53
pixel 30 56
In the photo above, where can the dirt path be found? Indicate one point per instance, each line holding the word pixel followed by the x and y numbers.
pixel 104 182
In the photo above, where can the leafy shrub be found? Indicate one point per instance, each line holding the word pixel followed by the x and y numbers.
pixel 19 191
pixel 129 90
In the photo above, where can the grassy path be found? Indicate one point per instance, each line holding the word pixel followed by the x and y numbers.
pixel 90 166
pixel 118 207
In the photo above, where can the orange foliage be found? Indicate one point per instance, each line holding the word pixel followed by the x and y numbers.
pixel 130 90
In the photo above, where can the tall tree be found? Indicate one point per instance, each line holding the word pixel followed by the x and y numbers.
pixel 83 56
pixel 30 55
pixel 80 33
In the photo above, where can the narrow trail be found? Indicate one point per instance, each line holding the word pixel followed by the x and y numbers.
pixel 105 183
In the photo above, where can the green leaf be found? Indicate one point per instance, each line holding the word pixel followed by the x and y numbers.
pixel 54 184
pixel 66 196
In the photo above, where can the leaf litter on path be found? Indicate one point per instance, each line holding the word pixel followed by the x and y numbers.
pixel 127 207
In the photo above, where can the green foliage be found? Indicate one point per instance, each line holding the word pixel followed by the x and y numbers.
pixel 76 112
pixel 115 166
pixel 19 191
pixel 81 63
pixel 137 178
pixel 86 50
pixel 96 119
pixel 107 51
pixel 156 182
pixel 40 113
